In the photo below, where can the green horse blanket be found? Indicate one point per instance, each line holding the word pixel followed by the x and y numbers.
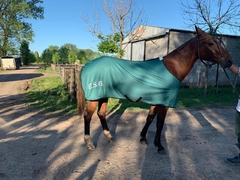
pixel 146 81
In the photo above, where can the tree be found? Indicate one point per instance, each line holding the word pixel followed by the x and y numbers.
pixel 32 58
pixel 55 58
pixel 71 47
pixel 110 44
pixel 124 19
pixel 53 49
pixel 68 53
pixel 82 56
pixel 13 26
pixel 212 15
pixel 72 57
pixel 63 53
pixel 47 56
pixel 24 51
pixel 38 59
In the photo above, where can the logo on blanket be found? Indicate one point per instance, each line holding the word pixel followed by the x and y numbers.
pixel 95 85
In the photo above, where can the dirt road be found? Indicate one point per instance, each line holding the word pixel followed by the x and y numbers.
pixel 34 145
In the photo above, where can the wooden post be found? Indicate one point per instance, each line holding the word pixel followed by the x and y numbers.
pixel 72 92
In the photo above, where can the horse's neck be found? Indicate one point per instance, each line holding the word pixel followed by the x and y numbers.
pixel 180 61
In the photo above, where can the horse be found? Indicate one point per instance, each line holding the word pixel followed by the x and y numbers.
pixel 95 90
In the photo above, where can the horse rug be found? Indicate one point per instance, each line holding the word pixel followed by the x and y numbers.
pixel 146 81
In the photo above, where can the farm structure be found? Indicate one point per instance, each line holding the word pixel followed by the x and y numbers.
pixel 148 42
pixel 10 62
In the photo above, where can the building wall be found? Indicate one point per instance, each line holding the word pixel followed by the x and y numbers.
pixel 138 50
pixel 156 47
pixel 8 63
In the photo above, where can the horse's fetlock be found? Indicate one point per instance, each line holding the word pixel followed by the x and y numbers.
pixel 143 140
pixel 108 135
pixel 87 138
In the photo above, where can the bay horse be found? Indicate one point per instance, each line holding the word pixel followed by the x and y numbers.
pixel 96 89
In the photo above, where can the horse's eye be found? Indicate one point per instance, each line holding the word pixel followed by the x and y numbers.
pixel 210 44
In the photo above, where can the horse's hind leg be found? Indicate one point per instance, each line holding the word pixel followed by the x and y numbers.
pixel 161 114
pixel 102 106
pixel 91 106
pixel 151 114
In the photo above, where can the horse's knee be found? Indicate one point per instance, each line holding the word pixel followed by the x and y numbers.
pixel 101 115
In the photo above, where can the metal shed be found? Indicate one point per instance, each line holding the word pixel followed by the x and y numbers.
pixel 11 62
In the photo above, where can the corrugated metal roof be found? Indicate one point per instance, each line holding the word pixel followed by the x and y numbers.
pixel 147 32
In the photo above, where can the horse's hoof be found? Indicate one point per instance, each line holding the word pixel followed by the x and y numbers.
pixel 143 141
pixel 111 140
pixel 90 147
pixel 162 152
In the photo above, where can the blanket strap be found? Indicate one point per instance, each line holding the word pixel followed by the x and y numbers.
pixel 139 99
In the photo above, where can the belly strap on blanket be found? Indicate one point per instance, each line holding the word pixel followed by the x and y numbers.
pixel 139 99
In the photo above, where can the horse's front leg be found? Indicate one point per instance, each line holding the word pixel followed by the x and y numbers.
pixel 161 114
pixel 102 106
pixel 91 106
pixel 150 117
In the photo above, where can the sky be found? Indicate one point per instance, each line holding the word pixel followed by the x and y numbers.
pixel 63 24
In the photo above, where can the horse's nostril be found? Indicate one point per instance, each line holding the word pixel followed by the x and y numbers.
pixel 229 63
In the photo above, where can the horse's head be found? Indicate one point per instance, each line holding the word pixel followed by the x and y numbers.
pixel 210 49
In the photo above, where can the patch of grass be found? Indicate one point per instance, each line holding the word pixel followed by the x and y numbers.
pixel 50 95
pixel 194 97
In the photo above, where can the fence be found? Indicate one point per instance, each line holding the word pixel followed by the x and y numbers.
pixel 69 74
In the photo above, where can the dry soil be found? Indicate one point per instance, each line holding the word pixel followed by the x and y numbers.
pixel 36 145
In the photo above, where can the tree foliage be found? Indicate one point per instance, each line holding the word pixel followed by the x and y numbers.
pixel 24 51
pixel 55 58
pixel 32 58
pixel 110 44
pixel 47 56
pixel 13 25
pixel 67 53
pixel 63 53
pixel 37 57
pixel 72 57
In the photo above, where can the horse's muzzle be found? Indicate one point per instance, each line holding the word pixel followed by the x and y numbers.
pixel 227 64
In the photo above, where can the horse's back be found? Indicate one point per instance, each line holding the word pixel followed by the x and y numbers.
pixel 112 77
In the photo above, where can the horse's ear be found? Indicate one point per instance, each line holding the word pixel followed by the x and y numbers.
pixel 196 28
pixel 199 31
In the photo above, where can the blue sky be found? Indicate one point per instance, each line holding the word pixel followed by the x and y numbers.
pixel 62 21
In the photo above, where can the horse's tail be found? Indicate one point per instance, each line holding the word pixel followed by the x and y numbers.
pixel 80 95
